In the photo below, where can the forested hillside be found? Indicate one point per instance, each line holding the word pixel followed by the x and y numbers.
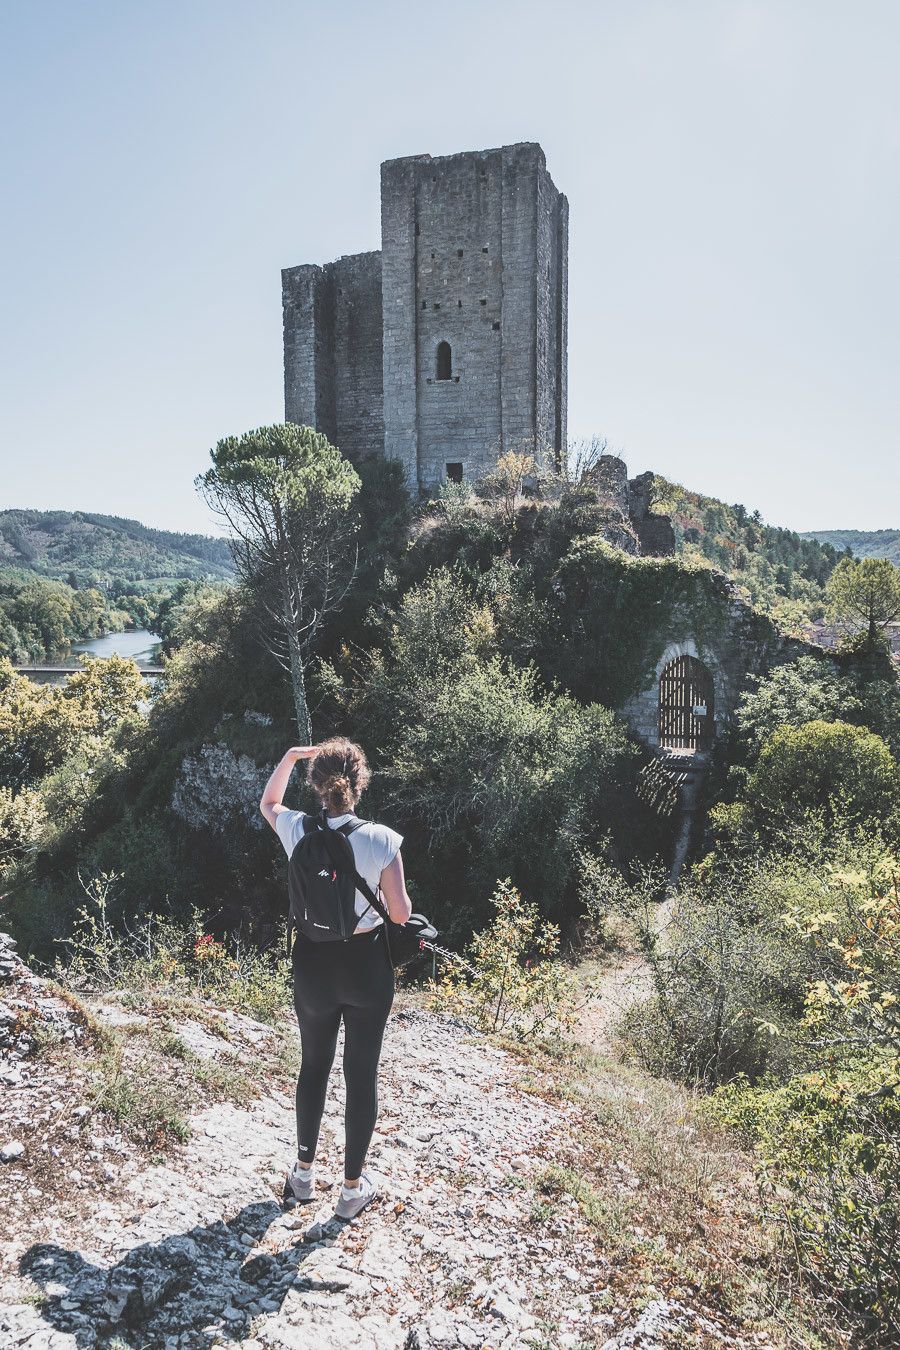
pixel 781 571
pixel 70 575
pixel 862 543
pixel 84 549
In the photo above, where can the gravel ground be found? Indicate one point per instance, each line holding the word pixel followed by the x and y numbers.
pixel 193 1249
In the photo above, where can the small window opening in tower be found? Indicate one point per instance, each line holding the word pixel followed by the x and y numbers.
pixel 483 300
pixel 485 249
pixel 424 304
pixel 444 363
pixel 459 253
pixel 454 473
pixel 496 327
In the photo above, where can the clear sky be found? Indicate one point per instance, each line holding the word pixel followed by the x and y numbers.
pixel 733 172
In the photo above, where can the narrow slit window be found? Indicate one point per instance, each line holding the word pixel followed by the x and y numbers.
pixel 454 473
pixel 444 363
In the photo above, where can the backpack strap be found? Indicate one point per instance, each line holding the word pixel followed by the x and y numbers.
pixel 361 884
pixel 350 825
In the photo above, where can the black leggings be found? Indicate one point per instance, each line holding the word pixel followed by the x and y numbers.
pixel 352 980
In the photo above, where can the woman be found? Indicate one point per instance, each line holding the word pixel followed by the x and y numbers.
pixel 351 981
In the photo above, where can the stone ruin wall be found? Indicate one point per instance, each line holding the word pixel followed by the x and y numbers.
pixel 749 645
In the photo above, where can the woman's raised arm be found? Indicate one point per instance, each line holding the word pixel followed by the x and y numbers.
pixel 273 793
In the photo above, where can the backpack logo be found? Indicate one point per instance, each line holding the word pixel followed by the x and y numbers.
pixel 325 873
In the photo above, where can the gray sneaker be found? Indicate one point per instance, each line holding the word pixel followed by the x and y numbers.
pixel 299 1186
pixel 349 1205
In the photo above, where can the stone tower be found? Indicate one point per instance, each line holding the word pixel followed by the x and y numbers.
pixel 448 347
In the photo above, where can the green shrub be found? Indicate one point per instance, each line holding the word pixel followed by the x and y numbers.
pixel 828 1138
pixel 487 772
pixel 510 980
pixel 22 818
pixel 801 691
pixel 731 958
pixel 724 974
pixel 829 767
pixel 160 953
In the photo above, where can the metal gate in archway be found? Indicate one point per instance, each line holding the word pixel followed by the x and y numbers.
pixel 686 712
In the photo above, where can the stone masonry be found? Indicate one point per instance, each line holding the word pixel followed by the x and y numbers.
pixel 449 347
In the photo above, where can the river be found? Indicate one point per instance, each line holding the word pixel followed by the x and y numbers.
pixel 137 644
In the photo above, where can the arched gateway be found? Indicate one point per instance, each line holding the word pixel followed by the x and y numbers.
pixel 686 705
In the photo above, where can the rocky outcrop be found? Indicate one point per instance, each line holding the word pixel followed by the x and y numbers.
pixel 30 1013
pixel 633 526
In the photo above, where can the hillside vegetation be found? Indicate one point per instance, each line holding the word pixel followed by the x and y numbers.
pixel 862 543
pixel 480 654
pixel 780 571
pixel 66 576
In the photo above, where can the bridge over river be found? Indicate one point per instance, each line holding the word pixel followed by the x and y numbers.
pixel 56 674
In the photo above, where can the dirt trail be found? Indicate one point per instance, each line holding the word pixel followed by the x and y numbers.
pixel 622 981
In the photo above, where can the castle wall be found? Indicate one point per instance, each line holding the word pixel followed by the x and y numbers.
pixel 748 644
pixel 474 249
pixel 307 348
pixel 459 298
pixel 561 320
pixel 398 271
pixel 333 351
pixel 356 361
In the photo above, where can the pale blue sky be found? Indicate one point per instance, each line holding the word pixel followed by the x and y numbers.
pixel 733 172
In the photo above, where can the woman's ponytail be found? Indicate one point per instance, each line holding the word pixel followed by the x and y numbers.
pixel 338 775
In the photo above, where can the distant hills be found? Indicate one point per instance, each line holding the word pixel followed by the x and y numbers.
pixel 85 549
pixel 862 543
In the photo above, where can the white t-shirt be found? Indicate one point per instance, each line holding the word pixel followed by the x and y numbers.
pixel 374 846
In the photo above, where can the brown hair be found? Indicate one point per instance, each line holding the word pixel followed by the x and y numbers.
pixel 338 774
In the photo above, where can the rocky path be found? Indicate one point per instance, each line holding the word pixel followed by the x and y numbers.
pixel 194 1251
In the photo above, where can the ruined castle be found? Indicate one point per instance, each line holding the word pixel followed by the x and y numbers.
pixel 448 346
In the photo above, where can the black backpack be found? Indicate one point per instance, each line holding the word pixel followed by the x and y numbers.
pixel 322 886
pixel 322 881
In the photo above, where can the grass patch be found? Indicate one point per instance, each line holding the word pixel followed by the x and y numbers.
pixel 610 1217
pixel 144 1106
pixel 669 1197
